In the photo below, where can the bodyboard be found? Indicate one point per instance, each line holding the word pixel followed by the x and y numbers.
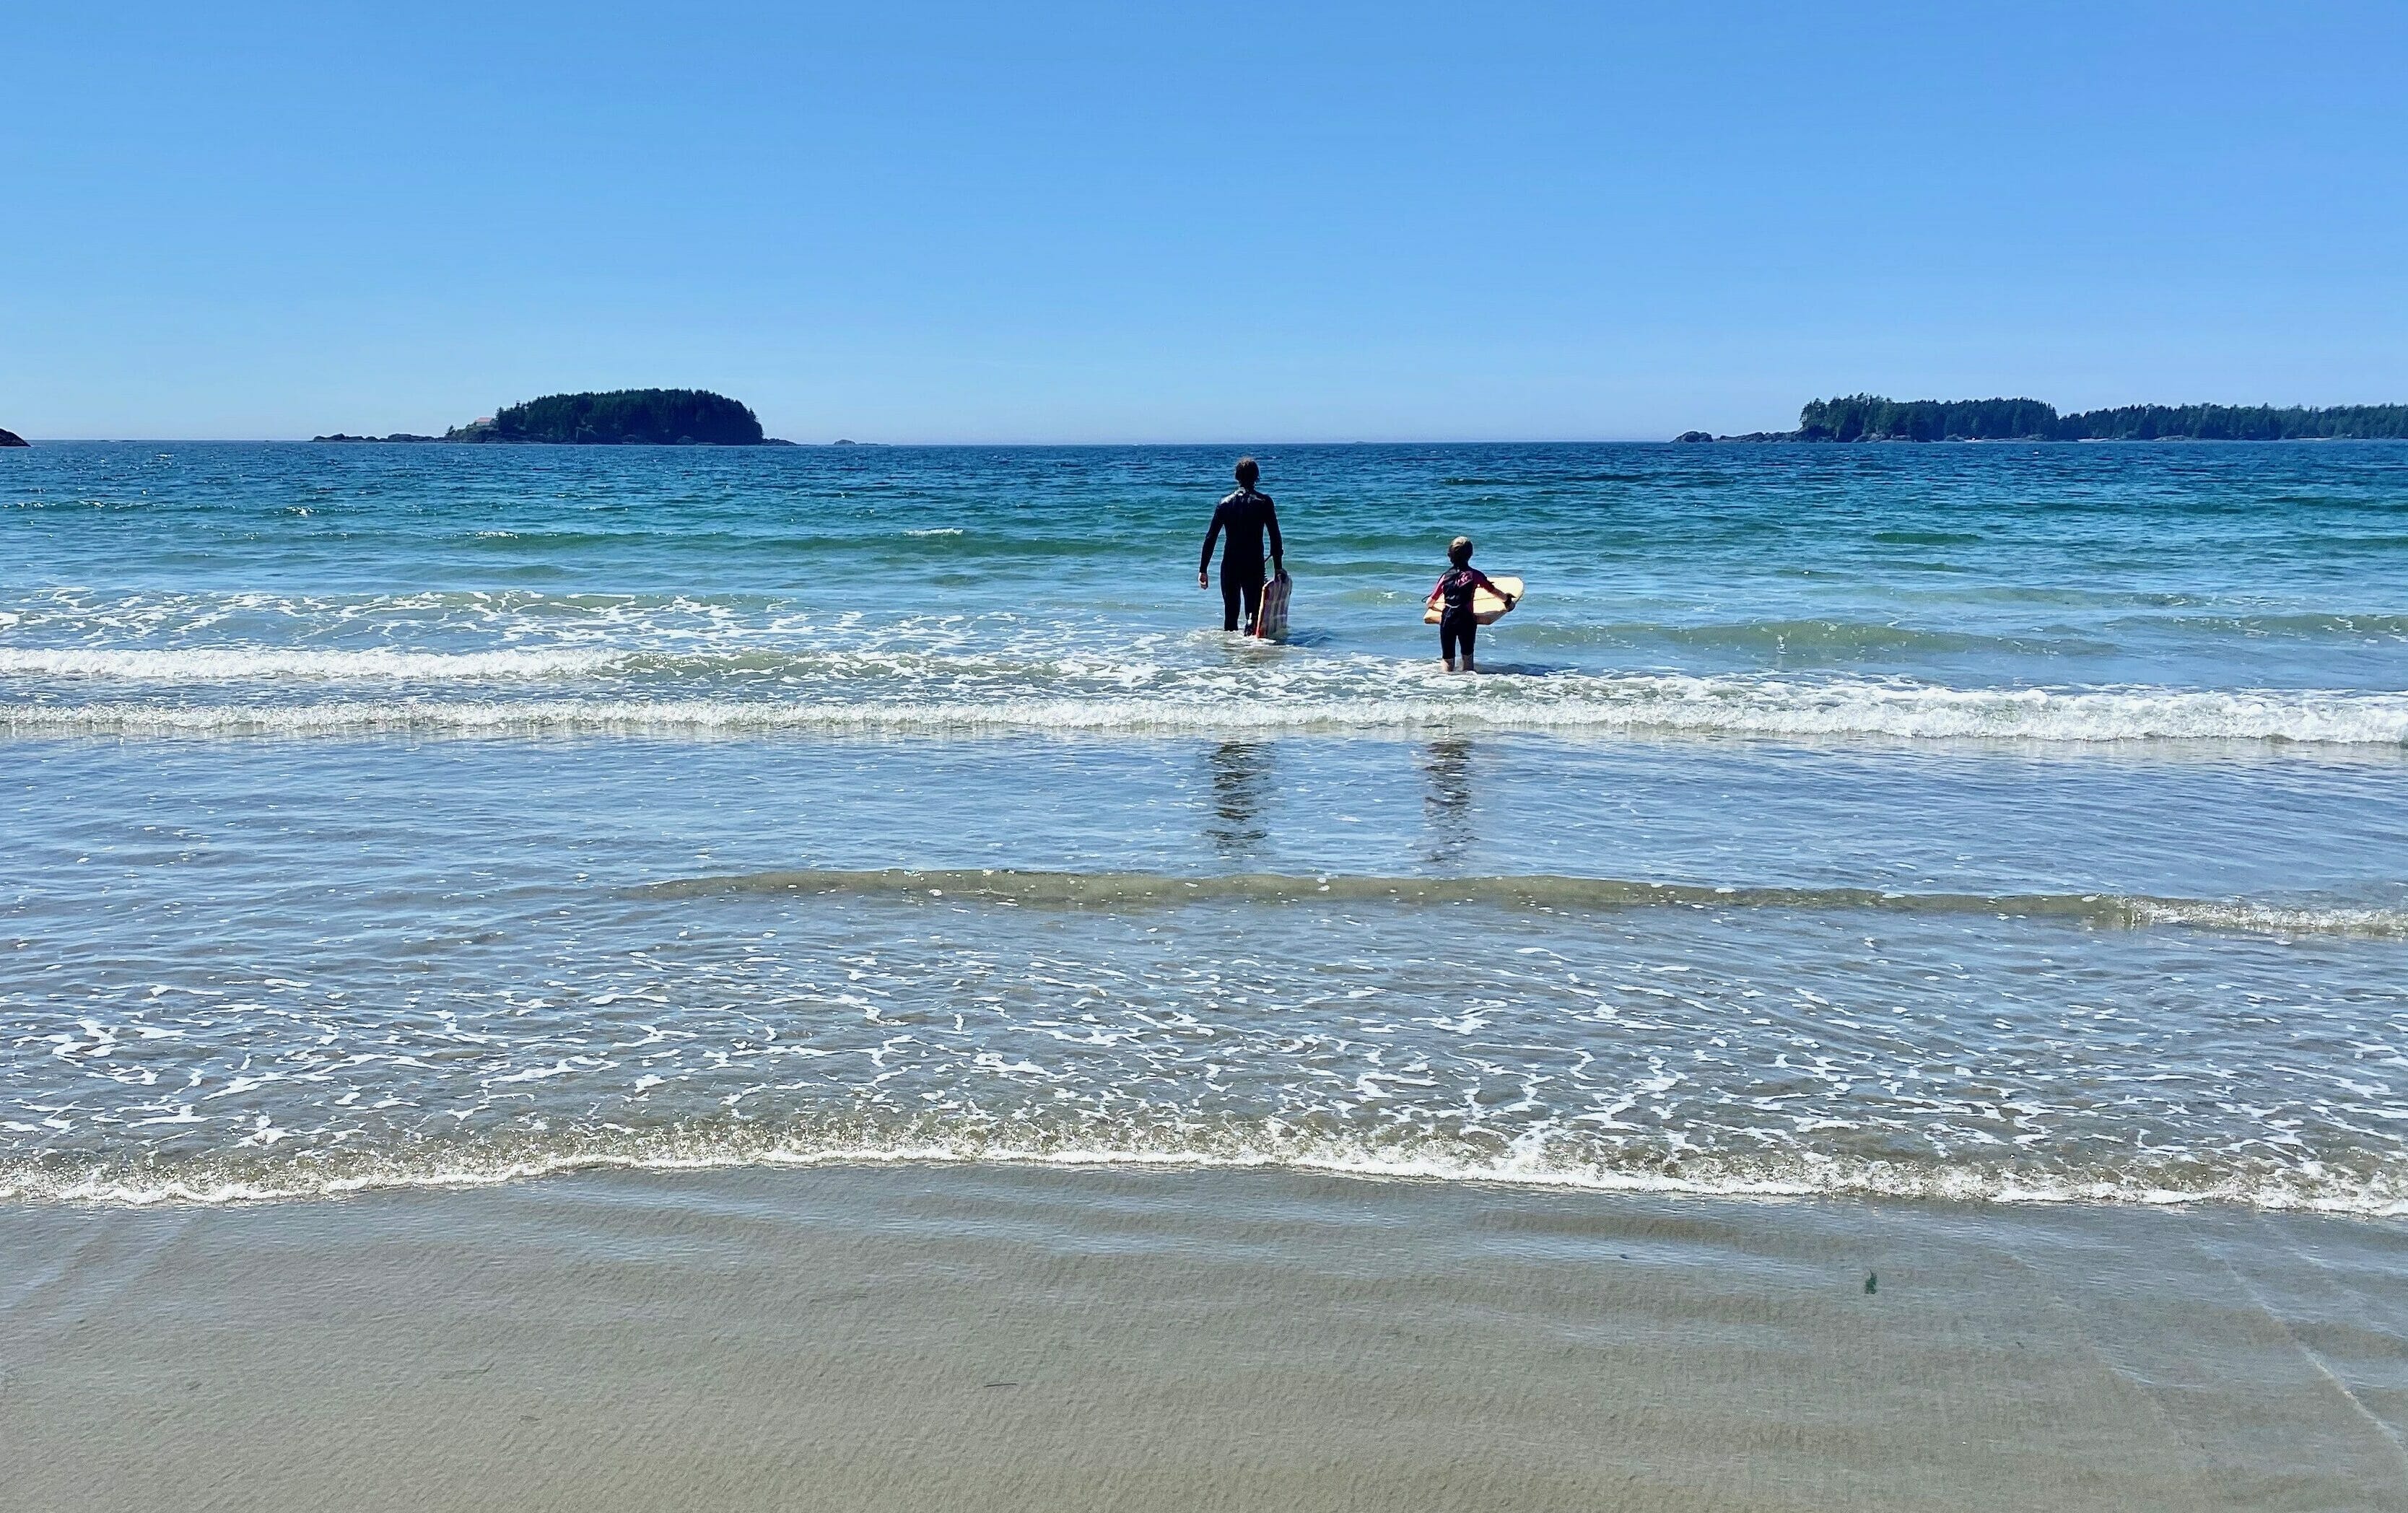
pixel 1270 624
pixel 1487 607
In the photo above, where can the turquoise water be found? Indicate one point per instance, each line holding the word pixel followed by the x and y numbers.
pixel 1982 822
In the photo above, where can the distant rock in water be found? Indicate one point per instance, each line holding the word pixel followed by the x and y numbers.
pixel 396 438
pixel 1695 436
pixel 10 439
pixel 649 417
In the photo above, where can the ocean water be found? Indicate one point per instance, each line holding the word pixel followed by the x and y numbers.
pixel 1982 823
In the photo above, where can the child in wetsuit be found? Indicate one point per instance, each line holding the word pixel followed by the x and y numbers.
pixel 1456 625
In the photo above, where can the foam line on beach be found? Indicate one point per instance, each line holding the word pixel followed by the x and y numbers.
pixel 1123 891
pixel 1531 1162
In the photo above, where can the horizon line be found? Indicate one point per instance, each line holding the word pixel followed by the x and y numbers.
pixel 1739 438
pixel 776 441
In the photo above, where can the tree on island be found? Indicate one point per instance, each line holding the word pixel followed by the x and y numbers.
pixel 2236 422
pixel 656 417
pixel 1870 417
pixel 1866 417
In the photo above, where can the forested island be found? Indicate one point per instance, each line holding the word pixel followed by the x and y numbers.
pixel 621 417
pixel 1866 417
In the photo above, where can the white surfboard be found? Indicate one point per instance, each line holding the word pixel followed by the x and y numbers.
pixel 1487 607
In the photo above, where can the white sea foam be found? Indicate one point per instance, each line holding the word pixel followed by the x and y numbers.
pixel 1142 701
pixel 205 665
pixel 2266 920
pixel 1534 1161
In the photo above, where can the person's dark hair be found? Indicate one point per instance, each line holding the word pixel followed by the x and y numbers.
pixel 1459 551
pixel 1248 472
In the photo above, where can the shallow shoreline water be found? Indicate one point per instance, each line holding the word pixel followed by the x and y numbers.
pixel 2017 824
pixel 981 1337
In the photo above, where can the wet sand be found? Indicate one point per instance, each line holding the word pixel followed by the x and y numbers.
pixel 978 1338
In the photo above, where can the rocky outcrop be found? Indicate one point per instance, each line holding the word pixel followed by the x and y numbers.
pixel 10 439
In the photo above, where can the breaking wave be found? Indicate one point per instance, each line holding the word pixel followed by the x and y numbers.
pixel 1075 697
pixel 251 664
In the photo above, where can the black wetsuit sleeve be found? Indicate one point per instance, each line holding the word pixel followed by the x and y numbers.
pixel 1270 514
pixel 1220 517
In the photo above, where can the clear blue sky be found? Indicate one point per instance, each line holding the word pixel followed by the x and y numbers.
pixel 1121 222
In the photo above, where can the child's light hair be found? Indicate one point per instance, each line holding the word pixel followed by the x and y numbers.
pixel 1459 551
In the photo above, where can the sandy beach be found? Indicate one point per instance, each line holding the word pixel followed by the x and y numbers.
pixel 1167 760
pixel 993 1337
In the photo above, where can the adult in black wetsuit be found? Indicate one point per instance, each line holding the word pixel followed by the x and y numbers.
pixel 1246 515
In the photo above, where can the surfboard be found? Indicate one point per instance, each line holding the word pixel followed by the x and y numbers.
pixel 1487 607
pixel 1271 622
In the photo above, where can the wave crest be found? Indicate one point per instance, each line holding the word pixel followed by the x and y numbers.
pixel 1272 701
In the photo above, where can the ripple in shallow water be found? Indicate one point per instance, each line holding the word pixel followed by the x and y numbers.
pixel 1748 1048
